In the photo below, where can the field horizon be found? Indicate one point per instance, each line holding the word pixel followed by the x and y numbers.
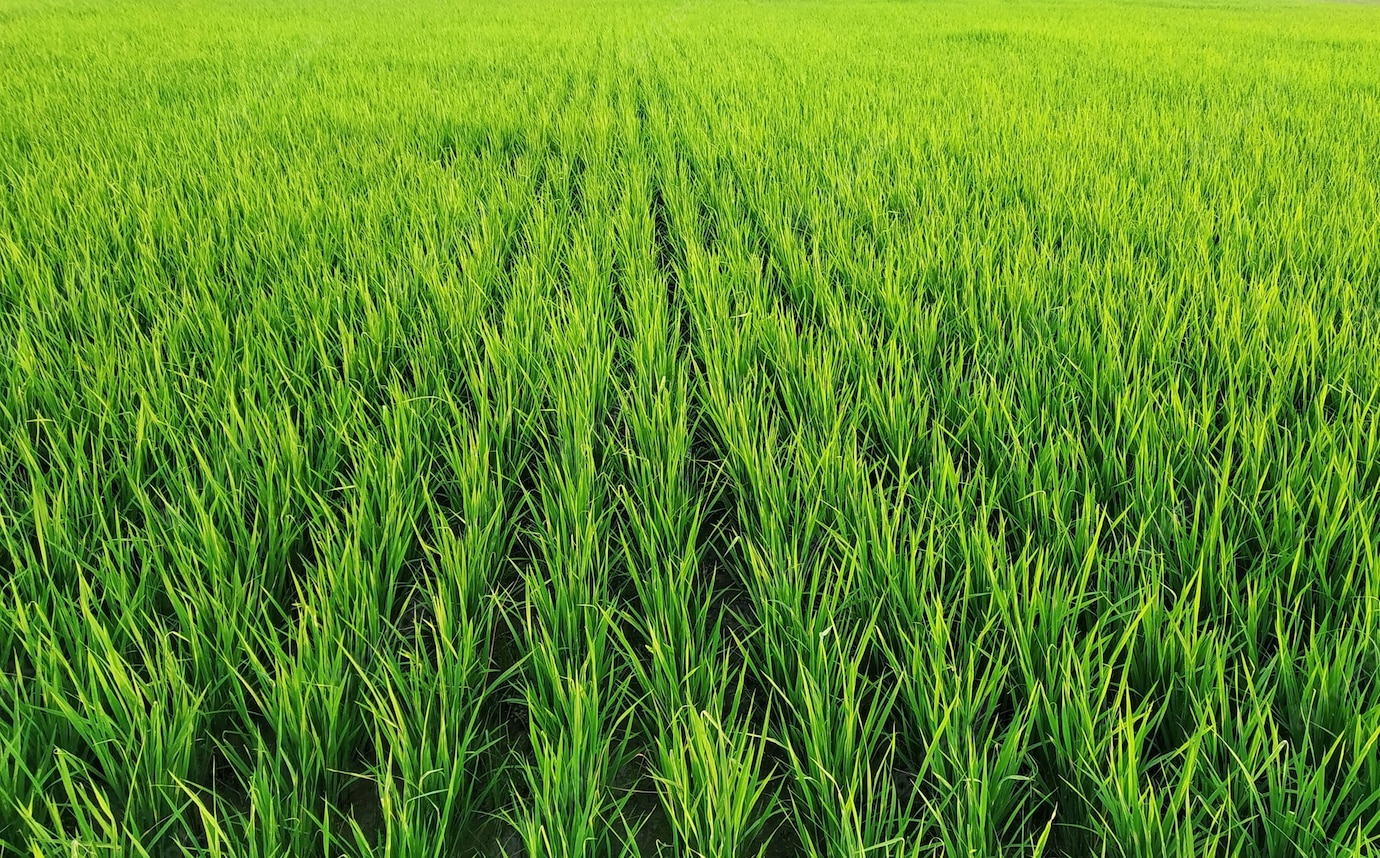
pixel 704 428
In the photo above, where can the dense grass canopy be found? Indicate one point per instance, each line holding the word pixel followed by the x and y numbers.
pixel 689 428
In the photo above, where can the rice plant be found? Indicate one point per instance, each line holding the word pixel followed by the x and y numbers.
pixel 712 428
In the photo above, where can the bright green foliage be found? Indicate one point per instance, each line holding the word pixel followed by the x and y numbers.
pixel 699 428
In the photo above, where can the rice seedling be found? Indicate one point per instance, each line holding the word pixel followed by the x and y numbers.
pixel 713 428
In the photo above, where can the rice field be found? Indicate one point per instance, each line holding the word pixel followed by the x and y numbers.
pixel 689 428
